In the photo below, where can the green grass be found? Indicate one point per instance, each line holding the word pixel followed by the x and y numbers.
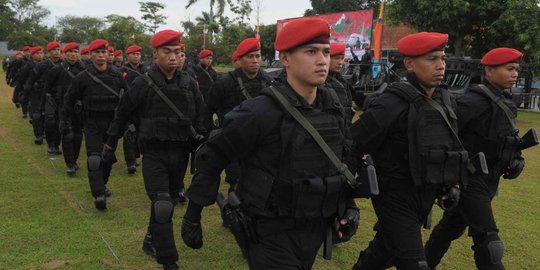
pixel 49 222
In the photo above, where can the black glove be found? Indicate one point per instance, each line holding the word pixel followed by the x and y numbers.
pixel 131 133
pixel 198 140
pixel 347 225
pixel 514 169
pixel 449 197
pixel 65 127
pixel 192 234
pixel 107 154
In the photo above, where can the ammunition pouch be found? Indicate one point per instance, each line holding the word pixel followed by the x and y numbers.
pixel 448 166
pixel 50 105
pixel 256 189
pixel 507 147
pixel 313 197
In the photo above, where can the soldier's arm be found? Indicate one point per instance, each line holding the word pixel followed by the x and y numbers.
pixel 50 80
pixel 129 102
pixel 73 94
pixel 200 121
pixel 469 107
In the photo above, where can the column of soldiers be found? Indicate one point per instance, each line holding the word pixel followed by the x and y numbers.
pixel 293 159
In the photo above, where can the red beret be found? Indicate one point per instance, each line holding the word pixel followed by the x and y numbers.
pixel 35 49
pixel 97 44
pixel 166 37
pixel 421 43
pixel 84 50
pixel 70 46
pixel 110 49
pixel 53 45
pixel 499 56
pixel 133 48
pixel 247 45
pixel 234 57
pixel 337 48
pixel 302 31
pixel 117 52
pixel 205 53
pixel 18 53
pixel 183 47
pixel 26 48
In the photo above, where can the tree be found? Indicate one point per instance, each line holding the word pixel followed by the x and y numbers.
pixel 125 31
pixel 79 29
pixel 242 9
pixel 27 28
pixel 331 6
pixel 7 20
pixel 211 15
pixel 268 35
pixel 150 15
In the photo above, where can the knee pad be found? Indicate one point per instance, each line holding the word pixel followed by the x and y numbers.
pixel 423 265
pixel 94 162
pixel 488 248
pixel 163 207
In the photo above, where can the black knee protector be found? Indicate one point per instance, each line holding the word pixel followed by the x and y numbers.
pixel 488 250
pixel 94 162
pixel 163 208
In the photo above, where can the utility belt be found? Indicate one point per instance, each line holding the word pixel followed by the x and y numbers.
pixel 443 167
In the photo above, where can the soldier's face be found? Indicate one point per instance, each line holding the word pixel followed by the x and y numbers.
pixel 307 64
pixel 86 56
pixel 18 56
pixel 26 54
pixel 336 63
pixel 251 62
pixel 110 57
pixel 119 58
pixel 72 55
pixel 182 60
pixel 55 53
pixel 207 61
pixel 168 57
pixel 134 58
pixel 38 56
pixel 428 68
pixel 503 76
pixel 99 56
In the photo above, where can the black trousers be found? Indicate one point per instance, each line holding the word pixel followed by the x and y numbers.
pixel 401 210
pixel 474 211
pixel 286 243
pixel 232 173
pixel 95 134
pixel 131 151
pixel 52 129
pixel 71 143
pixel 163 167
pixel 36 113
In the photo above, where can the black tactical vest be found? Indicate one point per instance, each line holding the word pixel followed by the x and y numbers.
pixel 500 140
pixel 435 154
pixel 306 185
pixel 343 94
pixel 96 97
pixel 159 122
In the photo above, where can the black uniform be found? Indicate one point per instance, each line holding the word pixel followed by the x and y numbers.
pixel 18 74
pixel 343 90
pixel 166 141
pixel 227 93
pixel 482 128
pixel 98 112
pixel 56 84
pixel 289 189
pixel 47 106
pixel 205 77
pixel 131 150
pixel 32 92
pixel 408 140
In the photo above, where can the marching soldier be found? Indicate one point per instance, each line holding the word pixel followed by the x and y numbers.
pixel 18 80
pixel 169 106
pixel 487 116
pixel 32 92
pixel 205 73
pixel 86 57
pixel 245 82
pixel 410 131
pixel 99 87
pixel 118 58
pixel 56 84
pixel 289 190
pixel 336 81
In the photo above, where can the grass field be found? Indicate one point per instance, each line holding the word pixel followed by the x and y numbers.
pixel 49 221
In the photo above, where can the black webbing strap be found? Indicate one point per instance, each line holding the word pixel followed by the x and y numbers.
pixel 341 167
pixel 96 79
pixel 243 88
pixel 169 102
pixel 208 74
pixel 500 103
pixel 440 109
pixel 67 70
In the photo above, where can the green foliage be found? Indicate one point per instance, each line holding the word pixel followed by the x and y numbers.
pixel 26 25
pixel 7 19
pixel 123 32
pixel 150 15
pixel 79 29
pixel 268 35
pixel 242 8
pixel 331 6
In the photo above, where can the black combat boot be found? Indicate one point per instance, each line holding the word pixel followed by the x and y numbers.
pixel 170 266
pixel 101 202
pixel 148 246
pixel 108 193
pixel 38 140
pixel 71 169
pixel 132 167
pixel 182 196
